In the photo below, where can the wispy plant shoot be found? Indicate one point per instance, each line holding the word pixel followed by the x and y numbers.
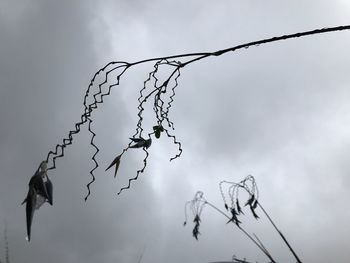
pixel 230 192
pixel 158 93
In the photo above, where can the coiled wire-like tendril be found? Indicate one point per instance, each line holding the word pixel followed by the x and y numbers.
pixel 159 92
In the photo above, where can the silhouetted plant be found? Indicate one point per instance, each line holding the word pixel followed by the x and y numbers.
pixel 248 185
pixel 196 207
pixel 161 95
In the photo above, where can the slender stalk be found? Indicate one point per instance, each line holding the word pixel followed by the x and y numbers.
pixel 245 232
pixel 261 243
pixel 280 233
pixel 269 40
pixel 202 55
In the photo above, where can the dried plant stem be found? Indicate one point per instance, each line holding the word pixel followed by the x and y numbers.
pixel 270 40
pixel 59 149
pixel 262 248
pixel 123 66
pixel 202 55
pixel 280 233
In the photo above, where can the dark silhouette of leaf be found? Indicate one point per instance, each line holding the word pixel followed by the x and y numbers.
pixel 195 231
pixel 49 190
pixel 115 162
pixel 40 191
pixel 158 130
pixel 196 219
pixel 234 218
pixel 250 200
pixel 255 204
pixel 157 134
pixel 239 209
pixel 253 212
pixel 226 206
pixel 141 143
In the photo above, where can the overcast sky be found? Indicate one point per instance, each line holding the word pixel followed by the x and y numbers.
pixel 280 112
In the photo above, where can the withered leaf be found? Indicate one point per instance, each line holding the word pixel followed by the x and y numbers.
pixel 115 162
pixel 157 134
pixel 158 129
pixel 195 231
pixel 255 204
pixel 234 218
pixel 250 200
pixel 239 209
pixel 253 212
pixel 141 143
pixel 196 219
pixel 234 212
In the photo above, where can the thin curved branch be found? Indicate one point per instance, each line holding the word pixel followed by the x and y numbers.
pixel 203 55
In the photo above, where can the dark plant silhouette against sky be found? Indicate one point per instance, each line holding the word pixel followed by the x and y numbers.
pixel 162 95
pixel 156 95
pixel 278 111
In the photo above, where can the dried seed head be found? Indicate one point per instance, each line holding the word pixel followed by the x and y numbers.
pixel 250 200
pixel 195 231
pixel 196 219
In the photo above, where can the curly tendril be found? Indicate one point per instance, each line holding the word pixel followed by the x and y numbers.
pixel 162 93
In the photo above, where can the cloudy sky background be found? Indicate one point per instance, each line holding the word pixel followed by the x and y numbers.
pixel 280 112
